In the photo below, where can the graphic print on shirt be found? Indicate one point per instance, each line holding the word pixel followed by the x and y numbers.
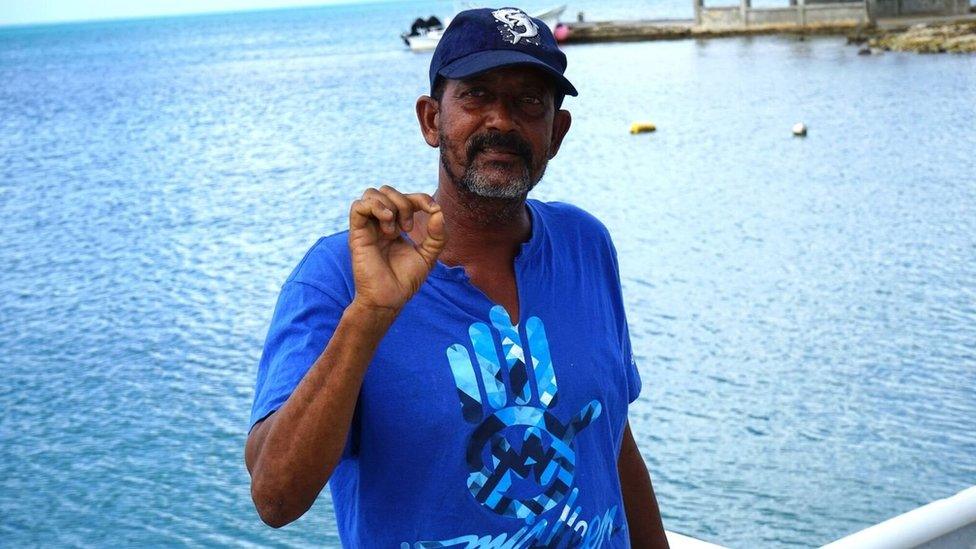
pixel 521 456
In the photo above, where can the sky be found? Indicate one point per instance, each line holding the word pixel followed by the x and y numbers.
pixel 19 12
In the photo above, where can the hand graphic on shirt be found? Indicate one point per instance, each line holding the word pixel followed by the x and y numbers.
pixel 521 456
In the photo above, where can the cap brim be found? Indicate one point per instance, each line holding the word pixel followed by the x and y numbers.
pixel 484 61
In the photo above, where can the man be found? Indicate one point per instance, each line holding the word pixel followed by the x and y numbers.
pixel 460 369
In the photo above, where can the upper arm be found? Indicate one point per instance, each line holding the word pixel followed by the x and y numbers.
pixel 628 446
pixel 255 440
pixel 304 320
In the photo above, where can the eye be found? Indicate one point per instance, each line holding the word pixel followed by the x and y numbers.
pixel 476 92
pixel 531 100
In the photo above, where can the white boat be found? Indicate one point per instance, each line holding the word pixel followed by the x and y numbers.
pixel 427 39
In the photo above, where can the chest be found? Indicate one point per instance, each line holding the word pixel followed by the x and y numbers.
pixel 498 283
pixel 455 361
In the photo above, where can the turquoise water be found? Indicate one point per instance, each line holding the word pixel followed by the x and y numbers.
pixel 803 310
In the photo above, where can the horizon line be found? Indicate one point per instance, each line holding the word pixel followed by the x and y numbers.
pixel 315 4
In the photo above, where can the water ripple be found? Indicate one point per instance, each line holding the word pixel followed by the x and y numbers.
pixel 802 311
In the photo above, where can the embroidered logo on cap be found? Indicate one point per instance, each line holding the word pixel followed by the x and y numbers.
pixel 516 26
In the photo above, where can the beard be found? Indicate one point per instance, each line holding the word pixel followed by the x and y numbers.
pixel 478 180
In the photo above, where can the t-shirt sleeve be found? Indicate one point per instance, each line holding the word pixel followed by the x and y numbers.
pixel 630 366
pixel 627 352
pixel 304 320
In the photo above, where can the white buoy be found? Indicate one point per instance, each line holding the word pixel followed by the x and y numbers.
pixel 800 129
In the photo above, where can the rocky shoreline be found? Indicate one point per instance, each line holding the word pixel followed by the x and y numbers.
pixel 957 37
pixel 628 31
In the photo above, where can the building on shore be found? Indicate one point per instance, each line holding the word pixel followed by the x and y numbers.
pixel 822 12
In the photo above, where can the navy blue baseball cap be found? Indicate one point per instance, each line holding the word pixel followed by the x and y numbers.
pixel 484 39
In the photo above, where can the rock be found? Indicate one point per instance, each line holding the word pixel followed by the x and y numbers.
pixel 864 51
pixel 954 37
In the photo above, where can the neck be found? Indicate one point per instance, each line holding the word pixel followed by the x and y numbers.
pixel 481 229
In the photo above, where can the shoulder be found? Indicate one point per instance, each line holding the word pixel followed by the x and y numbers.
pixel 567 220
pixel 327 267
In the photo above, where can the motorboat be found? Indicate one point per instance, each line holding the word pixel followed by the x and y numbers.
pixel 426 33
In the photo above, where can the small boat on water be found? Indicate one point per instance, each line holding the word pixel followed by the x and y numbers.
pixel 426 33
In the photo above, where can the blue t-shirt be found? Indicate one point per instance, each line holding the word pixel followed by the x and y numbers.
pixel 472 430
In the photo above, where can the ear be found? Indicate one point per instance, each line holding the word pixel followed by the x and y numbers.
pixel 560 125
pixel 428 114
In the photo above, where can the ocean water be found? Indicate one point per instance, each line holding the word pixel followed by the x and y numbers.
pixel 803 310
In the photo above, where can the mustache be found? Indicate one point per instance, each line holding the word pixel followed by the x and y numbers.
pixel 494 140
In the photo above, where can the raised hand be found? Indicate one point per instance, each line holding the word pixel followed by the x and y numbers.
pixel 521 456
pixel 388 269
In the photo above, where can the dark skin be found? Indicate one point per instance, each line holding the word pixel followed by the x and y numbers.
pixel 292 453
pixel 486 233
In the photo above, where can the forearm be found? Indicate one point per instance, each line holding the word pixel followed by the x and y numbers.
pixel 640 504
pixel 298 447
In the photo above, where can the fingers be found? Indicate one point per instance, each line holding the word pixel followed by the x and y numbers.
pixel 369 210
pixel 402 206
pixel 436 238
pixel 514 354
pixel 585 416
pixel 422 201
pixel 545 374
pixel 484 350
pixel 466 382
pixel 399 203
pixel 392 211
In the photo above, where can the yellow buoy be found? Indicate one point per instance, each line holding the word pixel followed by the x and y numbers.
pixel 642 127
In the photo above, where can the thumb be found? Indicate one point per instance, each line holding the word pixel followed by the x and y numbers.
pixel 589 412
pixel 436 238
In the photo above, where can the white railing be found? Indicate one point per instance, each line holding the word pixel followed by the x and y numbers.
pixel 949 522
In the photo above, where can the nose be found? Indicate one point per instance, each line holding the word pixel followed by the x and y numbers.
pixel 499 115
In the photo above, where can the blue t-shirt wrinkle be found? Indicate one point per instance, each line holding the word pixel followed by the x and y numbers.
pixel 472 428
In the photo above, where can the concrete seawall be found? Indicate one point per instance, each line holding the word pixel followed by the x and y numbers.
pixel 628 31
pixel 760 22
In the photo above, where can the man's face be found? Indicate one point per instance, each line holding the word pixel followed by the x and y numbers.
pixel 496 131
